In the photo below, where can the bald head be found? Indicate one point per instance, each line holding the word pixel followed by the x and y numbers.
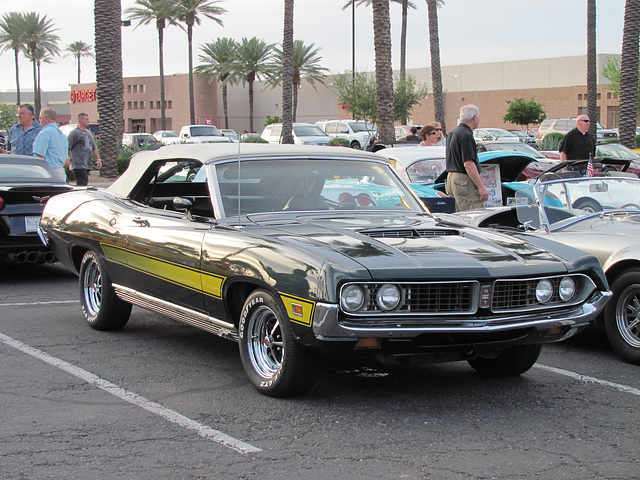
pixel 582 122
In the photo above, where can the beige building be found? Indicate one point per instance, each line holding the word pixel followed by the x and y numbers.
pixel 558 83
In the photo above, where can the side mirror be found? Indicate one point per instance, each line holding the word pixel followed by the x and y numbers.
pixel 183 205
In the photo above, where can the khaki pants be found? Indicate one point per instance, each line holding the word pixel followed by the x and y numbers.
pixel 461 187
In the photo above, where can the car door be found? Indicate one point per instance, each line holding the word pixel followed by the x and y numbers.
pixel 164 250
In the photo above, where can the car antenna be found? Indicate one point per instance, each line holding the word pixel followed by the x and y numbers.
pixel 239 218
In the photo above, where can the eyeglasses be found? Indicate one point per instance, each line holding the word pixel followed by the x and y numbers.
pixel 585 121
pixel 432 133
pixel 438 129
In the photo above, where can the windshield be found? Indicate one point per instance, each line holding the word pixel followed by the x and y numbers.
pixel 514 147
pixel 361 127
pixel 611 150
pixel 572 198
pixel 169 134
pixel 308 131
pixel 142 139
pixel 318 184
pixel 23 172
pixel 205 131
pixel 426 171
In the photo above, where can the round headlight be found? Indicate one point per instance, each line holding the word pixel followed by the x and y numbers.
pixel 388 297
pixel 544 290
pixel 352 298
pixel 567 289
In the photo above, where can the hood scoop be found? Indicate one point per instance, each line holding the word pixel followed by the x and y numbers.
pixel 408 233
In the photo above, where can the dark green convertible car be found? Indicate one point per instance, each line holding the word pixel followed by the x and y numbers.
pixel 300 253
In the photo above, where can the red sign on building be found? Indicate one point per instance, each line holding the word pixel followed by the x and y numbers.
pixel 78 96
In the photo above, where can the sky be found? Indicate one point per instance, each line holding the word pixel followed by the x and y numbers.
pixel 471 31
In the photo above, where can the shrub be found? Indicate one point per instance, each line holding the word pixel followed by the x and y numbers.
pixel 611 140
pixel 637 141
pixel 551 141
pixel 254 140
pixel 339 142
pixel 124 158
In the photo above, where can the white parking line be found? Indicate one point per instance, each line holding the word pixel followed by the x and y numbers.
pixel 113 389
pixel 37 303
pixel 588 379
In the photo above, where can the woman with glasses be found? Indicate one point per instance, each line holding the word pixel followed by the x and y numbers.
pixel 442 140
pixel 578 144
pixel 429 136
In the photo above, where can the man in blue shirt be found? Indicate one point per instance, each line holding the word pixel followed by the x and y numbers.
pixel 51 144
pixel 23 133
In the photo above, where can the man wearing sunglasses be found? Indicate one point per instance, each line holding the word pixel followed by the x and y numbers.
pixel 578 144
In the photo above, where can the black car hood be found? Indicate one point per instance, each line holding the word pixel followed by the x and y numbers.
pixel 407 245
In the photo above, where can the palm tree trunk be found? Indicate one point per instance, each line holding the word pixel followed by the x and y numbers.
pixel 36 96
pixel 384 70
pixel 287 74
pixel 250 105
pixel 224 106
pixel 78 58
pixel 296 89
pixel 17 79
pixel 436 74
pixel 192 111
pixel 592 81
pixel 403 49
pixel 163 115
pixel 108 48
pixel 629 73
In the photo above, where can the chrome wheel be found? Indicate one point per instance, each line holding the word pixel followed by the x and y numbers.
pixel 628 315
pixel 271 356
pixel 266 348
pixel 92 288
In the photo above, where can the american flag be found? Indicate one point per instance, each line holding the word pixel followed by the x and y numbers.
pixel 590 166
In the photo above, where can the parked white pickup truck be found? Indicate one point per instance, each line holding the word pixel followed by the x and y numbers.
pixel 202 134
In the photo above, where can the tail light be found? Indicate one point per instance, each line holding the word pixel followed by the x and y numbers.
pixel 1 203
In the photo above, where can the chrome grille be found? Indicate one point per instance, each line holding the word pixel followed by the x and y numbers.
pixel 520 294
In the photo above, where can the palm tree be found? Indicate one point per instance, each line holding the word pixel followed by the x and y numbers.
pixel 80 49
pixel 253 61
pixel 11 39
pixel 306 64
pixel 288 107
pixel 107 26
pixel 162 13
pixel 37 33
pixel 436 73
pixel 188 11
pixel 217 62
pixel 384 71
pixel 39 56
pixel 592 80
pixel 629 73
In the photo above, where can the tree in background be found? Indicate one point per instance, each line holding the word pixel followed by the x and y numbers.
pixel 78 50
pixel 11 39
pixel 163 13
pixel 384 70
pixel 306 64
pixel 217 62
pixel 611 71
pixel 7 116
pixel 592 79
pixel 407 93
pixel 436 72
pixel 629 73
pixel 39 41
pixel 357 92
pixel 189 11
pixel 254 60
pixel 524 112
pixel 107 16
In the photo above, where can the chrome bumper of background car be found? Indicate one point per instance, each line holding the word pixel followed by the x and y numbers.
pixel 327 326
